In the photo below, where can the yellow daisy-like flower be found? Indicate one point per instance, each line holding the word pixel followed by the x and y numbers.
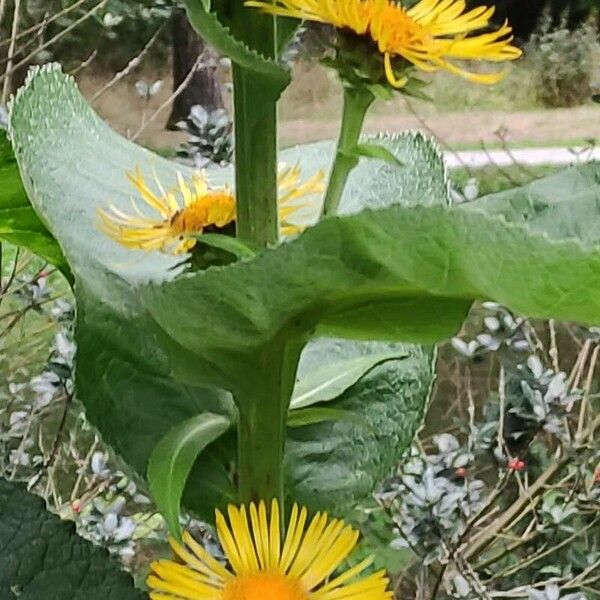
pixel 429 34
pixel 188 210
pixel 266 566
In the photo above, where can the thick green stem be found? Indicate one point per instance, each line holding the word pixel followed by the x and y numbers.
pixel 263 407
pixel 263 401
pixel 255 158
pixel 261 437
pixel 255 120
pixel 356 104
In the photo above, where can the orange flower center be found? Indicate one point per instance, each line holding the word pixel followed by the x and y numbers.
pixel 263 586
pixel 214 208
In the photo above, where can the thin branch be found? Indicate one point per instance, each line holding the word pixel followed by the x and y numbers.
pixel 501 135
pixel 553 352
pixel 131 65
pixel 86 63
pixel 40 26
pixel 583 407
pixel 81 471
pixel 577 370
pixel 500 170
pixel 11 51
pixel 11 277
pixel 53 453
pixel 539 555
pixel 54 39
pixel 436 136
pixel 483 538
pixel 2 11
pixel 500 443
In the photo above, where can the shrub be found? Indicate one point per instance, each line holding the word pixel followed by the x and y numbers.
pixel 503 502
pixel 563 63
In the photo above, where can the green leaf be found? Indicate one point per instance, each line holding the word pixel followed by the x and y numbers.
pixel 208 25
pixel 563 205
pixel 312 415
pixel 377 151
pixel 227 243
pixel 330 379
pixel 42 557
pixel 124 378
pixel 19 225
pixel 172 461
pixel 333 465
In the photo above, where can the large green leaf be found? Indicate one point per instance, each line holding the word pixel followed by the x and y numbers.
pixel 19 224
pixel 392 274
pixel 124 378
pixel 42 558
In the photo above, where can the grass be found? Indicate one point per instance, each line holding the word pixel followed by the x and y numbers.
pixel 563 142
pixel 316 91
pixel 492 179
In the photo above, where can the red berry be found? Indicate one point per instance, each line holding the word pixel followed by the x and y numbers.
pixel 461 472
pixel 76 506
pixel 516 464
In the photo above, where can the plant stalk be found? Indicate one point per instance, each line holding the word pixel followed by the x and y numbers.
pixel 255 105
pixel 255 123
pixel 264 399
pixel 356 103
pixel 263 407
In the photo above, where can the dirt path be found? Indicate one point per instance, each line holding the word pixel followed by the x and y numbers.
pixel 536 127
pixel 524 156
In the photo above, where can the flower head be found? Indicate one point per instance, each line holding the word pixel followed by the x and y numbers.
pixel 264 565
pixel 430 34
pixel 186 211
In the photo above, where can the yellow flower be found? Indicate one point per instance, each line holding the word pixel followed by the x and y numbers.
pixel 186 211
pixel 429 34
pixel 266 566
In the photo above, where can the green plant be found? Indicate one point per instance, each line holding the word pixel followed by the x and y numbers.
pixel 563 62
pixel 239 371
pixel 117 31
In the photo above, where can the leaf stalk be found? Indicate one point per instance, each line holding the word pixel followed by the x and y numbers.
pixel 356 104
